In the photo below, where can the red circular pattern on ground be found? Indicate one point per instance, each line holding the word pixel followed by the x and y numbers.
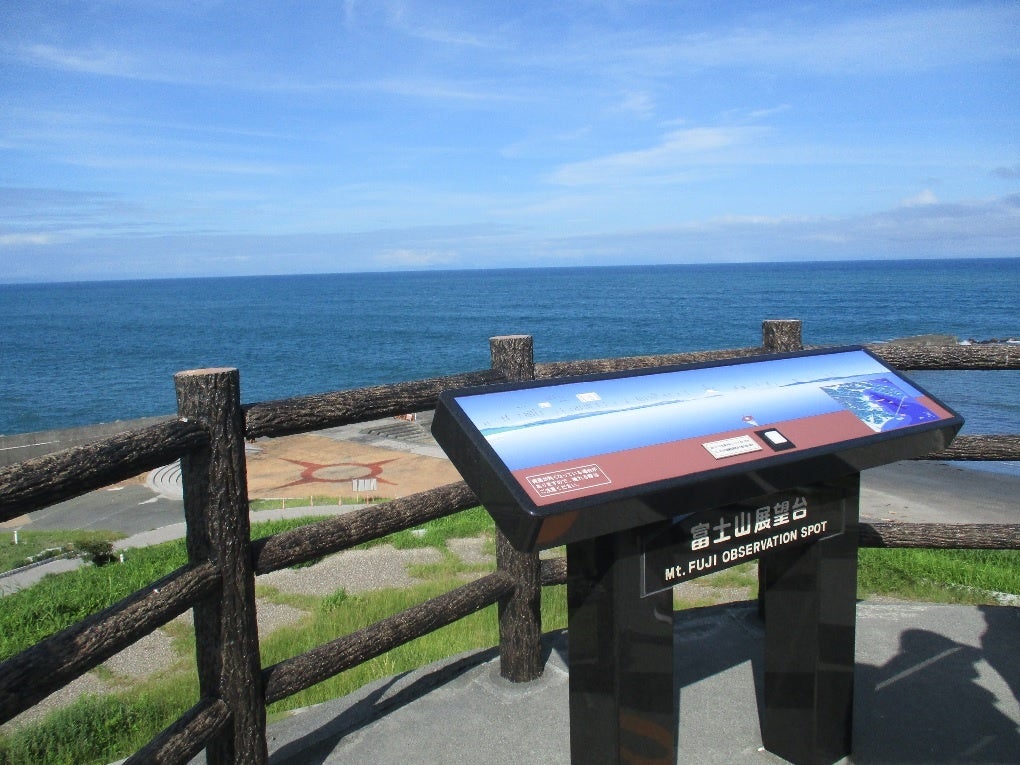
pixel 337 472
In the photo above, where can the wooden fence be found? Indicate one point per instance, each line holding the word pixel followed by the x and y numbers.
pixel 218 582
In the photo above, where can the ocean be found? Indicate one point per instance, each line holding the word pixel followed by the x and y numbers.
pixel 81 353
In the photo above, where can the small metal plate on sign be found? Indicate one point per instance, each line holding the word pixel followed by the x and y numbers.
pixel 731 447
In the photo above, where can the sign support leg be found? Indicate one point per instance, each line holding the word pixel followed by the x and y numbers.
pixel 622 700
pixel 810 612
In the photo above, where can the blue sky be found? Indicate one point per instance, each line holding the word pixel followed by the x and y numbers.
pixel 164 138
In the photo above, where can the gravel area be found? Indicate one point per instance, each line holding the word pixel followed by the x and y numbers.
pixel 138 660
pixel 270 616
pixel 471 550
pixel 353 571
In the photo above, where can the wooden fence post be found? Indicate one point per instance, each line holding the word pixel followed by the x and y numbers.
pixel 216 511
pixel 781 335
pixel 520 612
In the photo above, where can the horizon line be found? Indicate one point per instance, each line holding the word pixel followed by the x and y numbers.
pixel 482 269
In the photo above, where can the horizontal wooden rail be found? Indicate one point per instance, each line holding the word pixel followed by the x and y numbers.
pixel 300 672
pixel 984 357
pixel 327 410
pixel 181 742
pixel 30 676
pixel 951 536
pixel 63 475
pixel 962 536
pixel 554 571
pixel 554 369
pixel 350 529
pixel 963 358
pixel 979 448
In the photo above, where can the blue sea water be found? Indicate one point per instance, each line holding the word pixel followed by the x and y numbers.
pixel 81 353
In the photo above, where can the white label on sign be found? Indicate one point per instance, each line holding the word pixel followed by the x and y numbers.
pixel 731 447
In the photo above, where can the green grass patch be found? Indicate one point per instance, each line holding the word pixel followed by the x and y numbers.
pixel 103 728
pixel 470 523
pixel 32 544
pixel 342 613
pixel 100 729
pixel 942 576
pixel 60 600
pixel 451 567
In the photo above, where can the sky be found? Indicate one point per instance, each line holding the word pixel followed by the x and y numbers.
pixel 163 138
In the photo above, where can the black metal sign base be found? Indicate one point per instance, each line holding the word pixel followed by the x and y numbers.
pixel 623 704
pixel 810 627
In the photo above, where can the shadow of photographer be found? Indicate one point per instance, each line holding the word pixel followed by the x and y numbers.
pixel 926 704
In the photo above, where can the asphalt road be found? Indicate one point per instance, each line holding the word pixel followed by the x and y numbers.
pixel 128 508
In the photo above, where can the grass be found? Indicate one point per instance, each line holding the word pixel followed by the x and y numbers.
pixel 33 544
pixel 98 729
pixel 61 600
pixel 941 576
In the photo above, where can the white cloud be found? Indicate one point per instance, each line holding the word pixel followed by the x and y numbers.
pixel 438 89
pixel 411 258
pixel 639 104
pixel 910 40
pixel 677 151
pixel 94 60
pixel 21 240
pixel 926 197
pixel 987 228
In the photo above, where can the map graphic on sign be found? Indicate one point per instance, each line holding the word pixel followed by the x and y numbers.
pixel 880 404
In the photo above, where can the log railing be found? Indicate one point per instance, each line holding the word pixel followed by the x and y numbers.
pixel 218 581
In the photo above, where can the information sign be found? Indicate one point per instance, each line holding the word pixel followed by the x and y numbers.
pixel 548 448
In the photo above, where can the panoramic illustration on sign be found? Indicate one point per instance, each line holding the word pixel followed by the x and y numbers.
pixel 581 438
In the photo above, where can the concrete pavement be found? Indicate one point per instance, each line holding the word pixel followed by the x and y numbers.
pixel 934 684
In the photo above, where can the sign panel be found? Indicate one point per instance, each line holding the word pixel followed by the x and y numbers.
pixel 546 448
pixel 712 540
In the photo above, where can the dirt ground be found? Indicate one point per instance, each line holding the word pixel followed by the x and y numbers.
pixel 304 465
